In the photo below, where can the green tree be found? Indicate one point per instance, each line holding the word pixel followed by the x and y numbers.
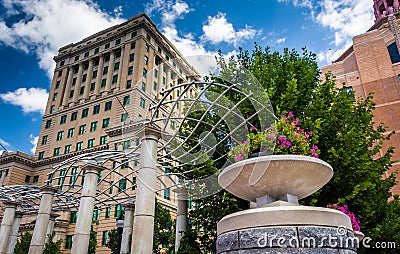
pixel 164 230
pixel 92 242
pixel 22 246
pixel 52 247
pixel 112 242
pixel 343 128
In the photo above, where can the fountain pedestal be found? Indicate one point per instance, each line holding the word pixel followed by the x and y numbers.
pixel 280 226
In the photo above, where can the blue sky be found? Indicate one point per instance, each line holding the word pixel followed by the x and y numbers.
pixel 31 31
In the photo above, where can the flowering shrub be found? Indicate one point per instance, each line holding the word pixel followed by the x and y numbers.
pixel 345 209
pixel 283 137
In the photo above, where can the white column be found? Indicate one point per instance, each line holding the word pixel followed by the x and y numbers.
pixel 68 86
pixel 110 72
pixel 50 227
pixel 80 241
pixel 143 227
pixel 6 225
pixel 128 224
pixel 99 75
pixel 181 216
pixel 14 233
pixel 42 220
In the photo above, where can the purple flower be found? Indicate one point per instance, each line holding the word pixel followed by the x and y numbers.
pixel 239 158
pixel 295 121
pixel 290 114
pixel 245 142
pixel 310 133
pixel 283 116
pixel 282 138
pixel 271 136
pixel 289 143
pixel 314 147
pixel 253 128
pixel 296 135
pixel 241 151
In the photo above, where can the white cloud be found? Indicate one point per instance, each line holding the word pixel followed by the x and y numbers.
pixel 51 24
pixel 218 29
pixel 299 3
pixel 281 40
pixel 33 140
pixel 30 100
pixel 5 144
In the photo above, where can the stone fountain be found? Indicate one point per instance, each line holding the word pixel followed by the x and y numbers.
pixel 278 224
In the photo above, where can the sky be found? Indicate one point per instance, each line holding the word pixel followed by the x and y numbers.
pixel 32 31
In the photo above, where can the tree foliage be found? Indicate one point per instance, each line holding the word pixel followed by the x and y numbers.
pixel 52 247
pixel 92 242
pixel 22 246
pixel 343 129
pixel 164 231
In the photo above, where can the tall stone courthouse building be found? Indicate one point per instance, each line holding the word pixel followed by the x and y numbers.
pixel 100 82
pixel 372 64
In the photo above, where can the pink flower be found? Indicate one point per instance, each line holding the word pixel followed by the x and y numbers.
pixel 295 121
pixel 241 151
pixel 239 158
pixel 253 128
pixel 314 147
pixel 271 136
pixel 283 116
pixel 296 135
pixel 298 128
pixel 289 143
pixel 245 142
pixel 290 114
pixel 310 133
pixel 282 138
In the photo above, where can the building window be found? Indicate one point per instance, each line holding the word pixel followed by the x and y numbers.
pixel 163 81
pixel 133 45
pixel 156 73
pixel 117 41
pixel 77 58
pixel 111 187
pixel 55 96
pixel 60 135
pixel 86 53
pixel 124 164
pixel 126 100
pixel 84 77
pixel 147 48
pixel 82 129
pixel 74 81
pixel 105 70
pixel 56 151
pixel 41 156
pixel 48 124
pixel 128 84
pixel 94 74
pixel 71 94
pixel 124 116
pixel 35 179
pixel 73 217
pixel 107 46
pixel 93 126
pixel 172 125
pixel 104 238
pixel 96 109
pixel 61 178
pixel 90 143
pixel 132 57
pixel 144 72
pixel 85 112
pixel 106 58
pixel 57 84
pixel 119 209
pixel 71 132
pixel 142 102
pixel 74 176
pixel 96 215
pixel 155 86
pixel 130 70
pixel 346 89
pixel 103 82
pixel 96 50
pixel 114 79
pixel 67 149
pixel 74 115
pixel 27 178
pixel 106 122
pixel 116 66
pixel 108 212
pixel 92 86
pixel 44 140
pixel 143 86
pixel 167 193
pixel 63 119
pixel 393 53
pixel 79 146
pixel 133 183
pixel 146 60
pixel 108 105
pixel 103 140
pixel 68 242
pixel 127 144
pixel 122 185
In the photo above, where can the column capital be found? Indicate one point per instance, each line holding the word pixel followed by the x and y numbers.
pixel 11 203
pixel 19 214
pixel 150 130
pixel 130 205
pixel 182 192
pixel 49 189
pixel 92 168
